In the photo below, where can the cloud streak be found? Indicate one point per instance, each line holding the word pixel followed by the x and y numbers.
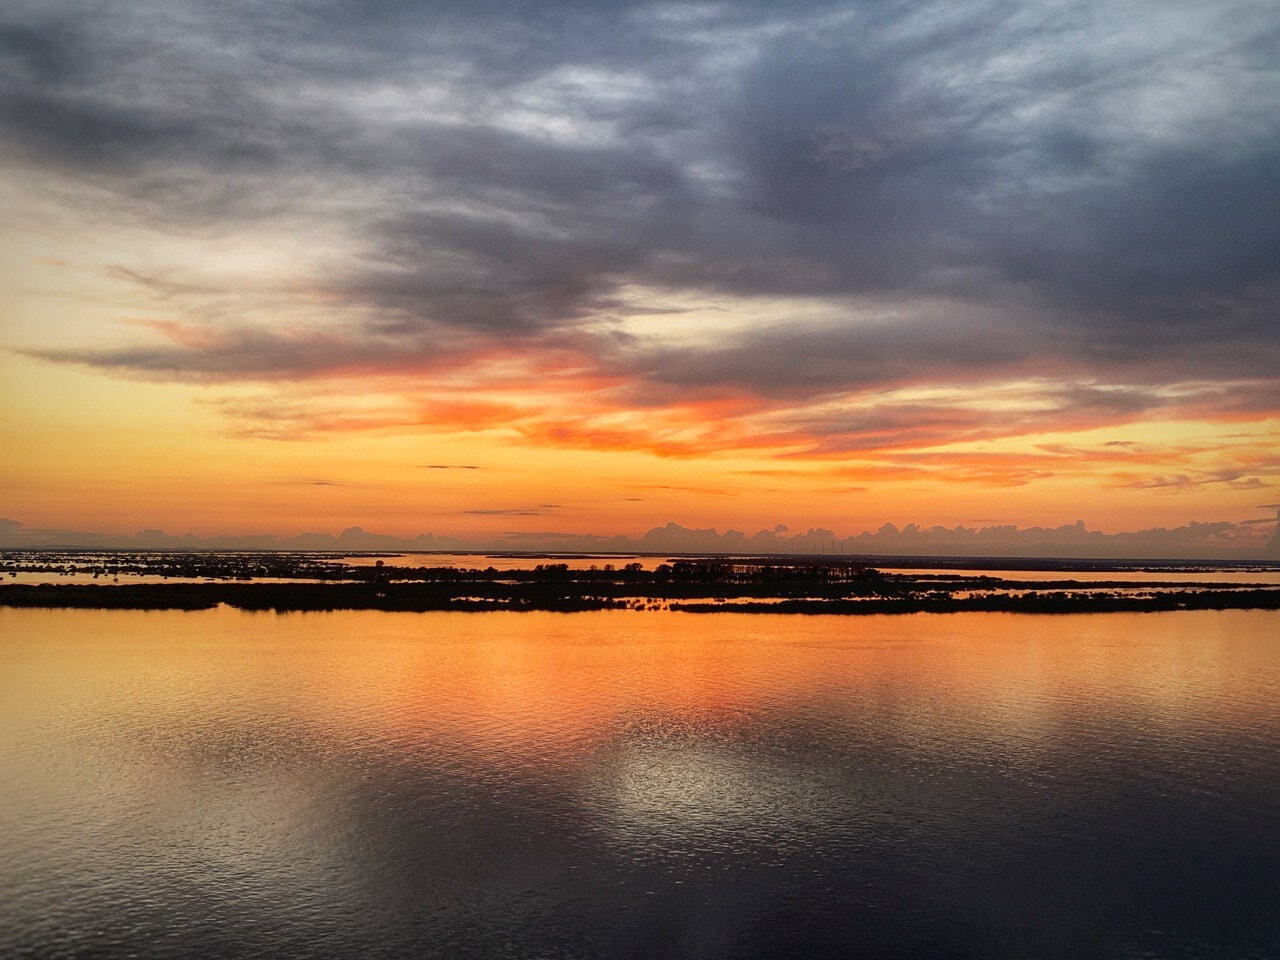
pixel 686 228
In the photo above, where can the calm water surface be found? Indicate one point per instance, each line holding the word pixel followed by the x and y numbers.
pixel 620 784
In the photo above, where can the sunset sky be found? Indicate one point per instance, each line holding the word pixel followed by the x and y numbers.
pixel 274 266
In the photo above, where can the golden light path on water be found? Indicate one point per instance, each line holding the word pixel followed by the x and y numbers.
pixel 596 784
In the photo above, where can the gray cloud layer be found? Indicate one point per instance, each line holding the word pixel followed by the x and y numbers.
pixel 1091 185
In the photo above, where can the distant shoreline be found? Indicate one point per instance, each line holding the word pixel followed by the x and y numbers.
pixel 288 582
pixel 425 597
pixel 1011 562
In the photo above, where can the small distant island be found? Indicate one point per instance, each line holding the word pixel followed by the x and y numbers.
pixel 285 582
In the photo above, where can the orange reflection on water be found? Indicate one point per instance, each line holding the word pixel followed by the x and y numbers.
pixel 455 766
pixel 539 686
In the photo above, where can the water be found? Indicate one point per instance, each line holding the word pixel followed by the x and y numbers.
pixel 621 784
pixel 1250 577
pixel 574 561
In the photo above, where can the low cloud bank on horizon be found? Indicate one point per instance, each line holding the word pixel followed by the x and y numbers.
pixel 1194 541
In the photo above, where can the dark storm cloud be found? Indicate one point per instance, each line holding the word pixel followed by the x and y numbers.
pixel 1087 185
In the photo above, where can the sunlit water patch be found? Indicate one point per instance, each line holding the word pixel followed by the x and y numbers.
pixel 639 785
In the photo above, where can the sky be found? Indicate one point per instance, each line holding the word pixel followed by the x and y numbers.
pixel 496 270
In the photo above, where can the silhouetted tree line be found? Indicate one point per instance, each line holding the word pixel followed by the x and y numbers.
pixel 689 597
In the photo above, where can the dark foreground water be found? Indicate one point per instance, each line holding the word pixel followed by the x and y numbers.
pixel 613 785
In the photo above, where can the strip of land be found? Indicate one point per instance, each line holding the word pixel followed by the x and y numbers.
pixel 692 588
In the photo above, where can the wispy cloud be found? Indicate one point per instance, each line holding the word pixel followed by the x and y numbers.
pixel 1182 481
pixel 313 482
pixel 538 510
